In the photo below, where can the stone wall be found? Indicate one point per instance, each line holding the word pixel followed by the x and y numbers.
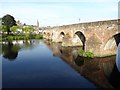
pixel 97 35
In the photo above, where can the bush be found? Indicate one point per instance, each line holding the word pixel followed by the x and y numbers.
pixel 39 37
pixel 86 54
pixel 10 38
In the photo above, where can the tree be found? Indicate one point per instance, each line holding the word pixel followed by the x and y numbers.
pixel 3 28
pixel 28 30
pixel 8 21
pixel 14 29
pixel 0 20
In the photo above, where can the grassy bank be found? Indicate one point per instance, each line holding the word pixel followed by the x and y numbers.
pixel 20 37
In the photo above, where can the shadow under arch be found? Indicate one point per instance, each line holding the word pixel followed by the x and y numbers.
pixel 117 38
pixel 61 36
pixel 62 33
pixel 82 38
pixel 48 34
pixel 111 43
pixel 44 33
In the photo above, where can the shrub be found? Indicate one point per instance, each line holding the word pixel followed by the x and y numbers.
pixel 86 54
pixel 39 37
pixel 10 38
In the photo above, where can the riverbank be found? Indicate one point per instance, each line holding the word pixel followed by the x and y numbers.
pixel 20 37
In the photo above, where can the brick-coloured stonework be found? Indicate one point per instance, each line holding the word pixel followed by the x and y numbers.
pixel 97 35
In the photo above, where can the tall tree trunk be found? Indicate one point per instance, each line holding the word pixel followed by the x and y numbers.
pixel 8 31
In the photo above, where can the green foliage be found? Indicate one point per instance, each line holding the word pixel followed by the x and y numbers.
pixel 28 30
pixel 8 21
pixel 86 54
pixel 3 28
pixel 20 37
pixel 39 37
pixel 14 28
pixel 10 38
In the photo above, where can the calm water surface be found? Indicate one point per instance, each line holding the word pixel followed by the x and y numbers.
pixel 40 64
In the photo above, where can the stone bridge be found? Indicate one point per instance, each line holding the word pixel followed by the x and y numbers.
pixel 97 37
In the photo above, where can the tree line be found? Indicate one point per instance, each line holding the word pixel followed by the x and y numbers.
pixel 9 29
pixel 9 25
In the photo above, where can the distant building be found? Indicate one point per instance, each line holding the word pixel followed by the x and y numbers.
pixel 37 23
pixel 38 30
pixel 19 23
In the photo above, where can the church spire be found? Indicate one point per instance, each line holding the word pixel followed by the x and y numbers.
pixel 37 23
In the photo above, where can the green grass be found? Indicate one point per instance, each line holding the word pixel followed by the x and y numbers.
pixel 85 54
pixel 20 37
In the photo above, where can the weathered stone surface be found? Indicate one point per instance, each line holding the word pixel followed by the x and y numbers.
pixel 67 41
pixel 97 35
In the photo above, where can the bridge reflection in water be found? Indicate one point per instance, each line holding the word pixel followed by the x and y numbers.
pixel 101 71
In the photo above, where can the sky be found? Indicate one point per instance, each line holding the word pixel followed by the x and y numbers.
pixel 59 12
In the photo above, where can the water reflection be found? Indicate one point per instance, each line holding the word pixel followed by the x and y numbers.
pixel 101 71
pixel 38 68
pixel 10 49
pixel 79 61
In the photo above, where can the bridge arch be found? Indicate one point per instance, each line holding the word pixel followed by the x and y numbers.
pixel 113 42
pixel 48 34
pixel 61 36
pixel 110 44
pixel 44 33
pixel 80 37
pixel 117 38
pixel 62 33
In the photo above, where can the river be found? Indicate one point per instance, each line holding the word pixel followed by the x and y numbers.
pixel 42 64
